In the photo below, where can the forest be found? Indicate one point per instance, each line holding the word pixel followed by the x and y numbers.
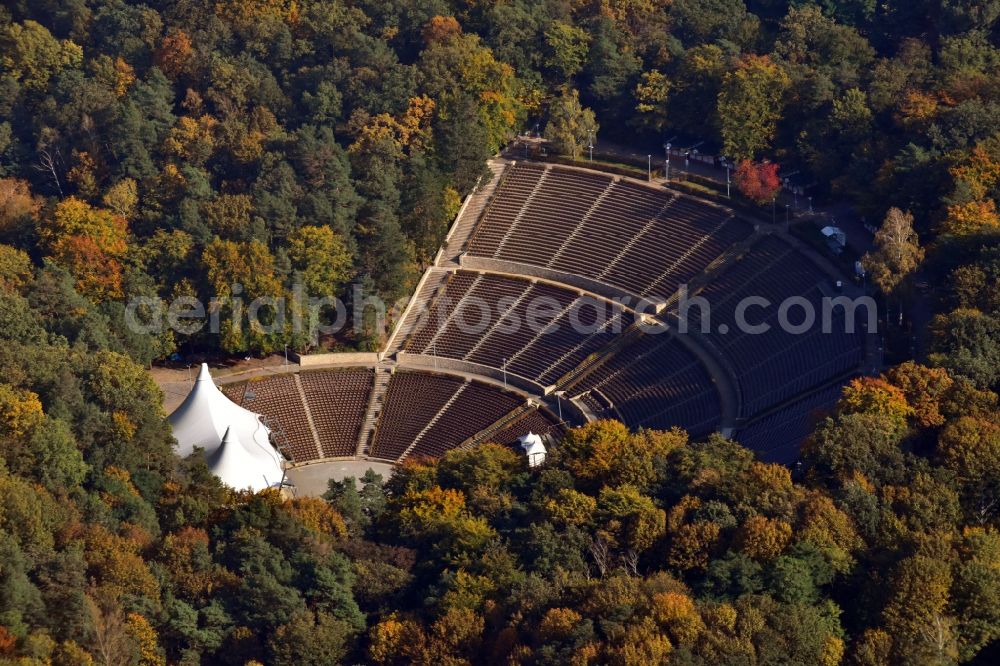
pixel 176 149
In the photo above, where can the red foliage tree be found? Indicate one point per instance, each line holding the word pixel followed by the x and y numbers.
pixel 758 181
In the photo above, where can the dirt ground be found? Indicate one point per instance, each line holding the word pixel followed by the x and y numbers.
pixel 176 380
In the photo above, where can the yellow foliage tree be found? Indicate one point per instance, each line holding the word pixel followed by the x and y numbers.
pixel 570 507
pixel 17 204
pixel 15 269
pixel 980 170
pixel 692 545
pixel 924 388
pixel 677 614
pixel 318 516
pixel 870 395
pixel 20 411
pixel 146 638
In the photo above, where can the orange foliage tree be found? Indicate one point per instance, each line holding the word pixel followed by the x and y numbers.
pixel 970 218
pixel 757 181
pixel 90 243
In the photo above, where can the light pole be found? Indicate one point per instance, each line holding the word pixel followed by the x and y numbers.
pixel 649 167
pixel 787 220
pixel 559 395
pixel 666 167
pixel 286 355
pixel 504 368
pixel 590 138
pixel 726 164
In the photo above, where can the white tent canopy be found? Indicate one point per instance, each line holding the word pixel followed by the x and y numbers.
pixel 237 467
pixel 206 415
pixel 534 448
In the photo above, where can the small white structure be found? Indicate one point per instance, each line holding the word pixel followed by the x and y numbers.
pixel 836 239
pixel 206 417
pixel 534 448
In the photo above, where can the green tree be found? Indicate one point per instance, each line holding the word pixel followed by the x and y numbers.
pixel 750 106
pixel 567 48
pixel 31 54
pixel 322 258
pixel 570 127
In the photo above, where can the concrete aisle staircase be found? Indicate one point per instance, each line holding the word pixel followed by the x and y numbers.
pixel 375 404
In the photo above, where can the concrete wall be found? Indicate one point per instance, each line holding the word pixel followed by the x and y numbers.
pixel 428 362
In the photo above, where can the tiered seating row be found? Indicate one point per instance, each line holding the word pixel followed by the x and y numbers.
pixel 635 238
pixel 338 401
pixel 538 331
pixel 777 437
pixel 477 407
pixel 534 421
pixel 548 220
pixel 513 191
pixel 411 401
pixel 458 409
pixel 653 383
pixel 774 366
pixel 277 398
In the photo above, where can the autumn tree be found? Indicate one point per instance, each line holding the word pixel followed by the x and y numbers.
pixel 90 243
pixel 758 181
pixel 174 54
pixel 240 274
pixel 17 205
pixel 970 218
pixel 31 54
pixel 651 95
pixel 917 614
pixel 321 256
pixel 897 254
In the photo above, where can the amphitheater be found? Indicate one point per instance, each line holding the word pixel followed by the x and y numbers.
pixel 606 255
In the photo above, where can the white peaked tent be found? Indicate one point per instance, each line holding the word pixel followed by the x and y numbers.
pixel 533 448
pixel 237 467
pixel 206 415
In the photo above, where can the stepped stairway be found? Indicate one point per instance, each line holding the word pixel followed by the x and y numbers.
pixel 430 285
pixel 309 416
pixel 375 404
pixel 598 358
pixel 465 224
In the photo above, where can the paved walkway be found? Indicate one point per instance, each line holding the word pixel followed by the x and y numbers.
pixel 311 480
